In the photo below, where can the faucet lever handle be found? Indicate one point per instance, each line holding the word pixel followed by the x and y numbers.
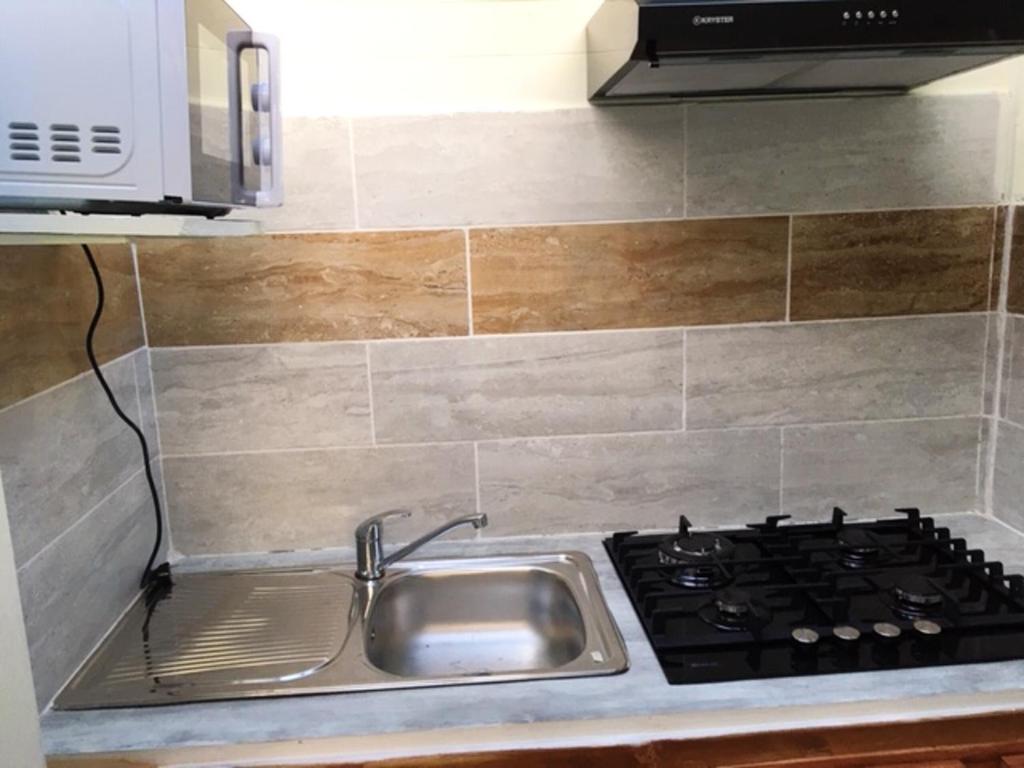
pixel 364 528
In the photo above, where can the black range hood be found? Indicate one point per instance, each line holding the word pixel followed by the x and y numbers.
pixel 667 50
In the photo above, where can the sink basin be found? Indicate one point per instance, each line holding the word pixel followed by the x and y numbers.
pixel 242 634
pixel 449 623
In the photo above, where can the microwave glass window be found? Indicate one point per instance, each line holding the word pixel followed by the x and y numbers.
pixel 220 150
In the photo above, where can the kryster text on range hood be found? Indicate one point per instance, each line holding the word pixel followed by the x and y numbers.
pixel 657 50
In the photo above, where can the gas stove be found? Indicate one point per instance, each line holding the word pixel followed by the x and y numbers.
pixel 773 600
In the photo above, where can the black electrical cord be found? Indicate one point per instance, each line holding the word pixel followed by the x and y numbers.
pixel 161 575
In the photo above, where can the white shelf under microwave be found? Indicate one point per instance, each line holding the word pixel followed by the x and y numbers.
pixel 44 228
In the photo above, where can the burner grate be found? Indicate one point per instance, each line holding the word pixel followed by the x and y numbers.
pixel 775 599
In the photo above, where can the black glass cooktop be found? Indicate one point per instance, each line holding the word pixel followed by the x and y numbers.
pixel 773 600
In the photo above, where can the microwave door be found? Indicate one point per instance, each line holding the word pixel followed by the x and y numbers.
pixel 234 120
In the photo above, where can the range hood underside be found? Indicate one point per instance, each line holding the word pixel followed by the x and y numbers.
pixel 786 74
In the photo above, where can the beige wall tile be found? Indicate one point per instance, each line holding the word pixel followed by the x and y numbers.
pixel 870 469
pixel 466 389
pixel 521 167
pixel 628 275
pixel 318 192
pixel 76 589
pixel 854 370
pixel 841 154
pixel 1013 370
pixel 325 287
pixel 309 499
pixel 62 453
pixel 891 263
pixel 47 297
pixel 268 397
pixel 623 482
pixel 1008 486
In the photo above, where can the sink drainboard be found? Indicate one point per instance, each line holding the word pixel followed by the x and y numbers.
pixel 241 634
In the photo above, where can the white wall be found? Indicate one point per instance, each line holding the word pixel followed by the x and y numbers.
pixel 362 57
pixel 380 57
pixel 19 725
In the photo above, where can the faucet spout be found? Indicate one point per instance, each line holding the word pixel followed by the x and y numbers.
pixel 369 548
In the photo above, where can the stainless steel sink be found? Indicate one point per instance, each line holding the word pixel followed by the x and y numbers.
pixel 478 620
pixel 241 634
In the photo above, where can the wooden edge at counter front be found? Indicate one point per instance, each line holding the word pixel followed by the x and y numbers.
pixel 986 741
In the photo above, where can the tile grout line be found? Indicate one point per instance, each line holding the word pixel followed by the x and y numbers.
pixel 457 225
pixel 576 436
pixel 992 259
pixel 369 394
pixel 476 475
pixel 158 458
pixel 988 324
pixel 1012 423
pixel 138 292
pixel 595 331
pixel 789 270
pixel 1005 524
pixel 48 707
pixel 160 455
pixel 782 470
pixel 685 367
pixel 341 554
pixel 984 364
pixel 469 284
pixel 352 170
pixel 52 542
pixel 1008 374
pixel 686 158
pixel 105 367
pixel 997 397
pixel 979 487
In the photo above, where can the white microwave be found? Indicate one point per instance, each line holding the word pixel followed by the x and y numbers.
pixel 137 106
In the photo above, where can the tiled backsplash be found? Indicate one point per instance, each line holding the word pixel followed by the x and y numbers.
pixel 78 505
pixel 1007 492
pixel 46 300
pixel 587 319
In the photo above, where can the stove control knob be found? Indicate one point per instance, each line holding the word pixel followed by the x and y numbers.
pixel 887 631
pixel 927 628
pixel 805 635
pixel 846 633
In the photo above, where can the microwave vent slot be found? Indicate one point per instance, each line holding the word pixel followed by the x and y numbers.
pixel 65 143
pixel 106 140
pixel 23 138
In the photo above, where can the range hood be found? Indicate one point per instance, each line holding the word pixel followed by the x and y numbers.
pixel 666 50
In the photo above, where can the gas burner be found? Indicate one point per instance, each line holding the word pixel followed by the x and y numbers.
pixel 733 610
pixel 694 560
pixel 858 548
pixel 916 596
pixel 769 600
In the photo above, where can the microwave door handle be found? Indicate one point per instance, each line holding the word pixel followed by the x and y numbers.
pixel 273 193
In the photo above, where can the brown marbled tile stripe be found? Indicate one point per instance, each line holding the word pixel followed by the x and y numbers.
pixel 308 287
pixel 47 297
pixel 589 276
pixel 891 263
pixel 1015 281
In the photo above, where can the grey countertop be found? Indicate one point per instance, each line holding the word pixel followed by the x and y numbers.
pixel 635 706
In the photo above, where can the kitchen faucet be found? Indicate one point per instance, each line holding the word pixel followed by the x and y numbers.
pixel 370 560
